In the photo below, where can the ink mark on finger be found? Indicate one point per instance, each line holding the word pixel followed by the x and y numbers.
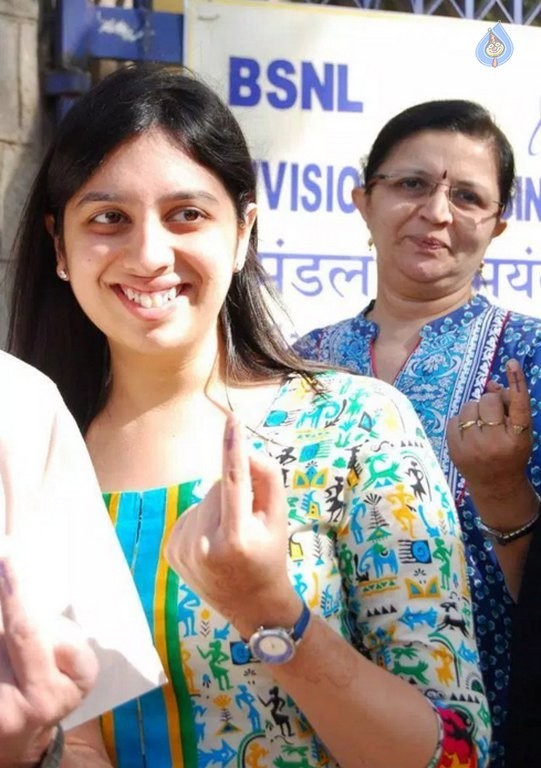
pixel 230 437
pixel 5 581
pixel 516 381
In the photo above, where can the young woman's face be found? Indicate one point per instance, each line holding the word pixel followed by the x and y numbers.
pixel 150 244
pixel 426 245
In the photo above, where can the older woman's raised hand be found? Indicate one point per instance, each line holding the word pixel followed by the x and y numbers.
pixel 490 442
pixel 43 676
pixel 231 548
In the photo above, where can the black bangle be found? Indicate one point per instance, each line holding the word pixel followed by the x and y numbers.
pixel 506 538
pixel 55 750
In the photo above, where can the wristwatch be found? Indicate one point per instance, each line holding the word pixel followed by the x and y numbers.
pixel 53 757
pixel 276 645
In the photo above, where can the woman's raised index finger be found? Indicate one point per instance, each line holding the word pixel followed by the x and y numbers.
pixel 519 396
pixel 236 501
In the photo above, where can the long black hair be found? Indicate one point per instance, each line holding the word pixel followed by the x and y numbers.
pixel 47 327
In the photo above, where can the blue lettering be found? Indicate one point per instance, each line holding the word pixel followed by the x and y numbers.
pixel 286 84
pixel 525 205
pixel 324 90
pixel 310 172
pixel 294 187
pixel 533 143
pixel 330 182
pixel 532 197
pixel 346 205
pixel 273 192
pixel 344 104
pixel 276 73
pixel 309 187
pixel 244 90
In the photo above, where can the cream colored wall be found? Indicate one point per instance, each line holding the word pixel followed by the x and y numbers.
pixel 173 6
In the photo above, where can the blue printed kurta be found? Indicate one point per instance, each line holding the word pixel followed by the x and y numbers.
pixel 374 548
pixel 456 356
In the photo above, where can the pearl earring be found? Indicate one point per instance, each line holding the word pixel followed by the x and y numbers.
pixel 62 274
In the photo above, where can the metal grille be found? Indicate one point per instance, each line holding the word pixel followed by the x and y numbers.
pixel 506 11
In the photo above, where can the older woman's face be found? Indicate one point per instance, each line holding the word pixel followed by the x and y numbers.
pixel 427 246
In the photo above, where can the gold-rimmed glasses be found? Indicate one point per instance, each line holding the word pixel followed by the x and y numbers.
pixel 469 202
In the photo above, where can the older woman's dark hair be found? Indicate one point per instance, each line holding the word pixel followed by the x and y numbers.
pixel 47 327
pixel 454 115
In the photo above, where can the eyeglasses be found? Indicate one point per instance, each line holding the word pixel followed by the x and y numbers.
pixel 469 202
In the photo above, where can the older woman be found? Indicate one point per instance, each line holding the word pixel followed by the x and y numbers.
pixel 436 182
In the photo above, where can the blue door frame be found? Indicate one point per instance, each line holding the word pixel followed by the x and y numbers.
pixel 84 31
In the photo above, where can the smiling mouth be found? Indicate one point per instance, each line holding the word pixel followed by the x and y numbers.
pixel 430 243
pixel 151 299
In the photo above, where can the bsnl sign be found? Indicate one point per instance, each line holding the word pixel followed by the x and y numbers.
pixel 284 84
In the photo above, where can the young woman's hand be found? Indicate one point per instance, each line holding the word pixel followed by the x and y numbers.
pixel 43 677
pixel 231 548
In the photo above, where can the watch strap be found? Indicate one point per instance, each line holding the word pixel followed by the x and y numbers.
pixel 299 628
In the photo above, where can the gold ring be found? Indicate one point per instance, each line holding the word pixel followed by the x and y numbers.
pixel 462 425
pixel 492 423
pixel 518 429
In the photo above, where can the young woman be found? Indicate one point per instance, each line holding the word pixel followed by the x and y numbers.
pixel 436 183
pixel 139 292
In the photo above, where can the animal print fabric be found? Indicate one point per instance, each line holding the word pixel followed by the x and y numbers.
pixel 374 548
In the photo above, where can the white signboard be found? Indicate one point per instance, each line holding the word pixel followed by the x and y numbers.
pixel 312 86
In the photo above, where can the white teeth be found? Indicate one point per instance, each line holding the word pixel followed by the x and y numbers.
pixel 145 300
pixel 150 300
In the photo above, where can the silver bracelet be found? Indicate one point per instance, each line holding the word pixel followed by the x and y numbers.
pixel 506 538
pixel 53 757
pixel 436 757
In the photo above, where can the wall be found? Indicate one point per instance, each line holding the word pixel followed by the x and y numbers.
pixel 20 134
pixel 171 6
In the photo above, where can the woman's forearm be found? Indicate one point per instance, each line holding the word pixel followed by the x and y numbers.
pixel 84 757
pixel 512 559
pixel 506 512
pixel 85 748
pixel 364 715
